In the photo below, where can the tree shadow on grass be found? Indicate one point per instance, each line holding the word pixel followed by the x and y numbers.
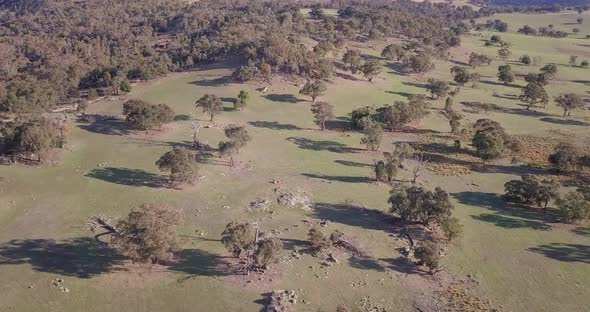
pixel 284 98
pixel 510 223
pixel 565 122
pixel 330 146
pixel 401 265
pixel 353 215
pixel 400 93
pixel 274 125
pixel 197 262
pixel 216 82
pixel 129 177
pixel 79 257
pixel 583 231
pixel 564 252
pixel 352 163
pixel 365 263
pixel 507 215
pixel 345 179
pixel 106 125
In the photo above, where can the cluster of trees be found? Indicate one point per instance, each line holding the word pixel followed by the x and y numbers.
pixel 255 251
pixel 142 115
pixel 542 31
pixel 32 136
pixel 392 117
pixel 54 51
pixel 386 170
pixel 462 76
pixel 491 140
pixel 238 137
pixel 495 25
pixel 531 190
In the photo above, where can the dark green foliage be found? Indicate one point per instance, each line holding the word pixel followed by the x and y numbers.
pixel 400 114
pixel 322 111
pixel 245 73
pixel 415 204
pixel 313 89
pixel 476 60
pixel 148 234
pixel 541 78
pixel 210 104
pixel 452 228
pixel 526 60
pixel 461 76
pixel 438 88
pixel 505 74
pixel 180 162
pixel 380 172
pixel 371 69
pixel 550 70
pixel 238 138
pixel 569 102
pixel 352 60
pixel 145 116
pixel 360 116
pixel 373 134
pixel 31 135
pixel 393 52
pixel 419 63
pixel 534 94
pixel 531 190
pixel 238 237
pixel 489 139
pixel 566 157
pixel 428 255
pixel 267 252
pixel 573 206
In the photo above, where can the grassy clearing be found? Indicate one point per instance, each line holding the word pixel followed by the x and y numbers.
pixel 521 261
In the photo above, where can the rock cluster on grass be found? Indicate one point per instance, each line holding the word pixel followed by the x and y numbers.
pixel 58 283
pixel 260 204
pixel 282 301
pixel 294 198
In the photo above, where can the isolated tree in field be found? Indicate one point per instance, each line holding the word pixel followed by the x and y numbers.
pixel 534 94
pixel 584 64
pixel 31 135
pixel 566 157
pixel 576 30
pixel 238 138
pixel 573 60
pixel 401 113
pixel 573 207
pixel 211 105
pixel 242 100
pixel 415 204
pixel 438 88
pixel 420 63
pixel 180 162
pixel 454 119
pixel 505 74
pixel 489 139
pixel 267 252
pixel 531 190
pixel 380 171
pixel 580 20
pixel 476 60
pixel 352 60
pixel 550 70
pixel 148 234
pixel 371 69
pixel 372 135
pixel 322 112
pixel 504 53
pixel 403 152
pixel 238 237
pixel 313 89
pixel 392 163
pixel 569 102
pixel 145 116
pixel 393 51
pixel 452 228
pixel 526 60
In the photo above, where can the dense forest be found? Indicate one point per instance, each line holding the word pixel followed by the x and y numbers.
pixel 53 52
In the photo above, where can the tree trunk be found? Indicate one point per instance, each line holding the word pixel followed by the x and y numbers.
pixel 323 125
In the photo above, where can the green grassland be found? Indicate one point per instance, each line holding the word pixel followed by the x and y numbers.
pixel 520 259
